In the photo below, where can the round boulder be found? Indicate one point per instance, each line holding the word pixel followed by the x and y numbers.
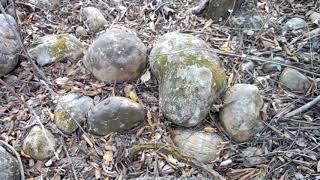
pixel 202 146
pixel 94 19
pixel 294 80
pixel 116 55
pixel 114 114
pixel 190 76
pixel 71 111
pixel 8 45
pixel 240 116
pixel 9 166
pixel 39 144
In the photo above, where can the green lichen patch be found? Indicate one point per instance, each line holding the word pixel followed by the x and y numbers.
pixel 60 48
pixel 64 121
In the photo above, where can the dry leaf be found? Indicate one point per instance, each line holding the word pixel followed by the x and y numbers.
pixel 146 76
pixel 172 160
pixel 149 120
pixel 108 156
pixel 87 140
pixel 210 129
pixel 318 166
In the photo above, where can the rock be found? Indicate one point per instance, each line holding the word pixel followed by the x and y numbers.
pixel 202 146
pixel 315 18
pixel 70 108
pixel 114 114
pixel 272 67
pixel 39 145
pixel 20 15
pixel 190 77
pixel 9 166
pixel 4 3
pixel 116 55
pixel 241 117
pixel 221 8
pixel 305 56
pixel 8 46
pixel 81 31
pixel 46 4
pixel 247 67
pixel 52 48
pixel 295 24
pixel 294 80
pixel 94 19
pixel 252 157
pixel 248 16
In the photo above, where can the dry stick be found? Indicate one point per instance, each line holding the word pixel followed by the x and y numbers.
pixel 22 177
pixel 72 166
pixel 35 68
pixel 304 107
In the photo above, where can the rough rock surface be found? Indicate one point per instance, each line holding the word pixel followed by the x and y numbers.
pixel 116 55
pixel 39 145
pixel 202 146
pixel 46 4
pixel 9 166
pixel 272 67
pixel 4 2
pixel 114 114
pixel 81 32
pixel 191 78
pixel 252 157
pixel 70 108
pixel 294 80
pixel 52 48
pixel 94 19
pixel 221 8
pixel 295 24
pixel 8 46
pixel 240 116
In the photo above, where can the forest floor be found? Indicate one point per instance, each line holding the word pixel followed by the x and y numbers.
pixel 290 147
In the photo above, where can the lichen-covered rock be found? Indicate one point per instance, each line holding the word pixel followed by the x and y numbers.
pixel 46 4
pixel 71 110
pixel 201 146
pixel 295 24
pixel 272 67
pixel 39 144
pixel 294 80
pixel 114 114
pixel 221 8
pixel 190 76
pixel 52 48
pixel 94 19
pixel 241 116
pixel 116 55
pixel 8 46
pixel 9 166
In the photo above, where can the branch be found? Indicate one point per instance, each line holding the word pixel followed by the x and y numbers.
pixel 304 107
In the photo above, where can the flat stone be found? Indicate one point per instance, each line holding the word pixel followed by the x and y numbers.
pixel 295 24
pixel 53 48
pixel 94 19
pixel 273 67
pixel 116 55
pixel 240 116
pixel 9 166
pixel 39 144
pixel 201 146
pixel 190 77
pixel 294 80
pixel 8 46
pixel 114 114
pixel 71 111
pixel 81 31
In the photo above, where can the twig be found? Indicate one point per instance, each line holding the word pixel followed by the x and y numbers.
pixel 22 176
pixel 35 68
pixel 304 107
pixel 72 166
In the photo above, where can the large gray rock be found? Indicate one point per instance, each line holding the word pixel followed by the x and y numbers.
pixel 94 19
pixel 191 77
pixel 114 114
pixel 116 55
pixel 46 4
pixel 241 116
pixel 294 80
pixel 202 146
pixel 71 111
pixel 39 144
pixel 9 166
pixel 8 46
pixel 52 48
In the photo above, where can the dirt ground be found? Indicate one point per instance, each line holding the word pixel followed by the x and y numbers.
pixel 290 147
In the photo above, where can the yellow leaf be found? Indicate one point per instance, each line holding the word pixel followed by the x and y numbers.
pixel 133 95
pixel 227 48
pixel 8 118
pixel 108 156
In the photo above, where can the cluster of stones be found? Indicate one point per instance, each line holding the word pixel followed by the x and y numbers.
pixel 191 79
